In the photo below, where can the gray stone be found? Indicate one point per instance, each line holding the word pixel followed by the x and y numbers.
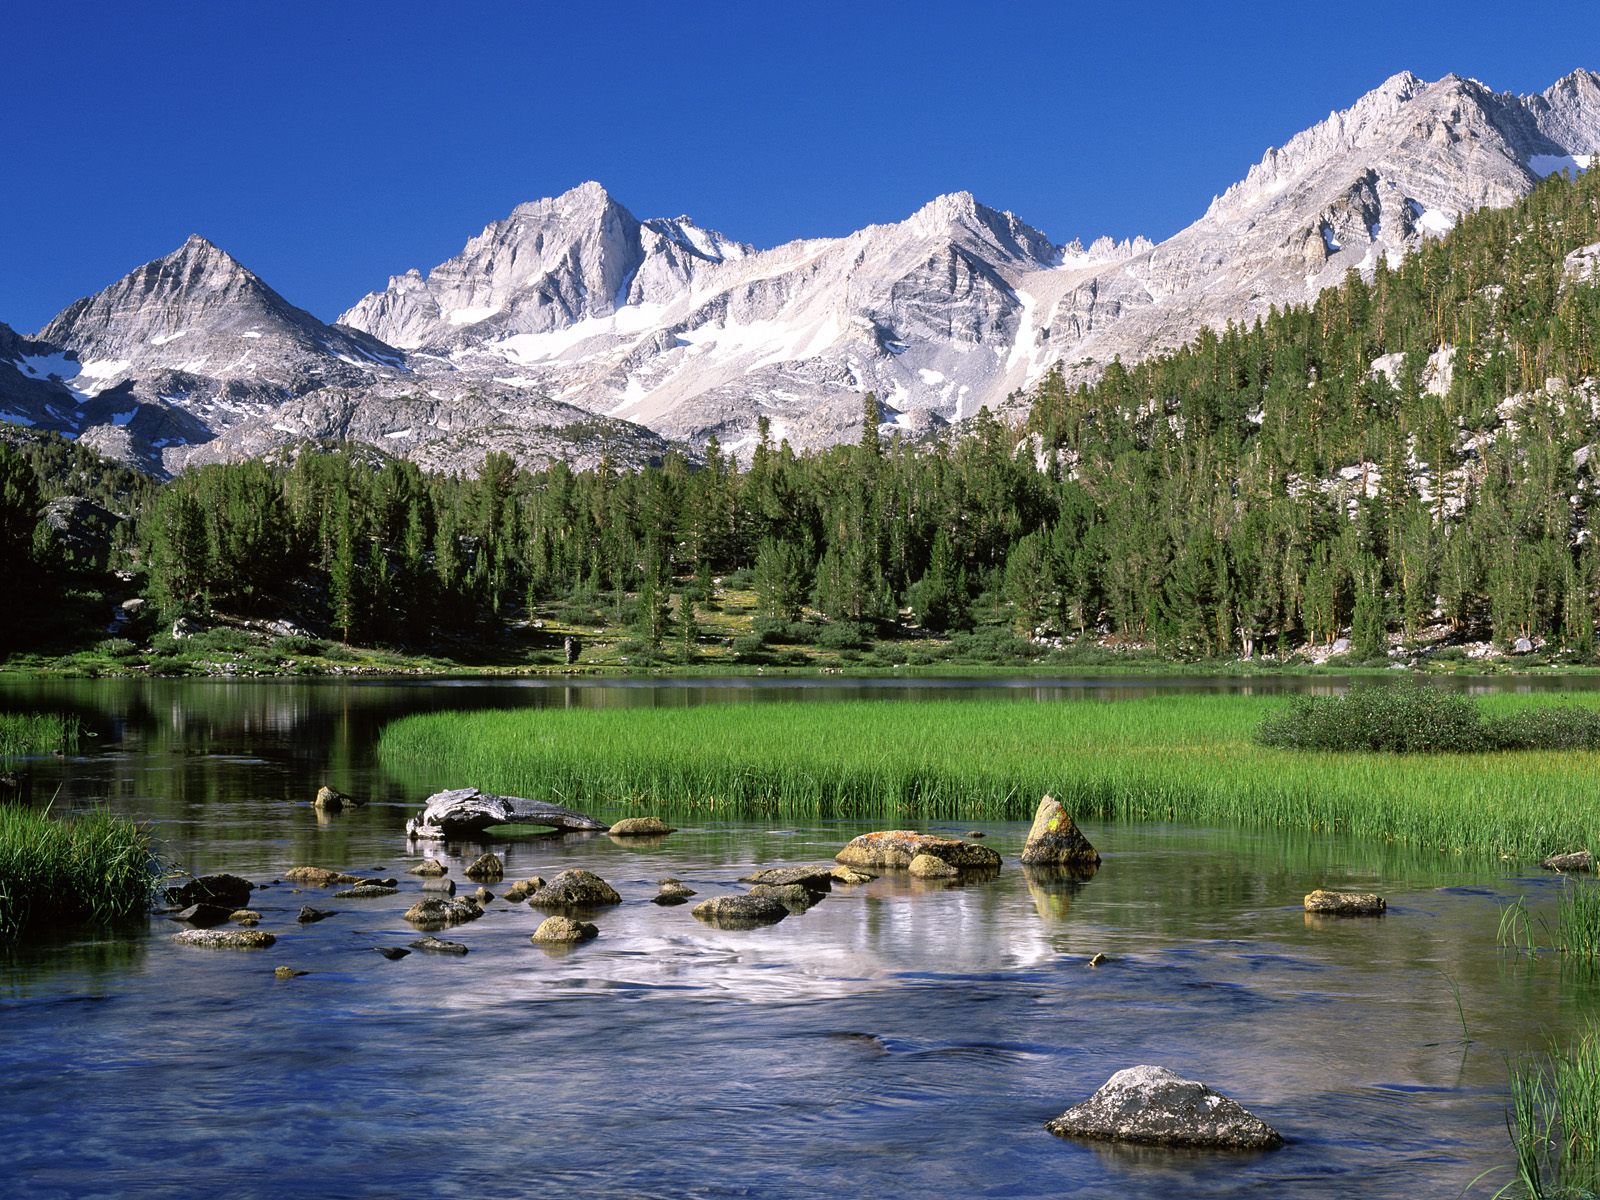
pixel 365 891
pixel 438 946
pixel 436 912
pixel 488 868
pixel 575 888
pixel 741 912
pixel 1522 646
pixel 816 877
pixel 225 939
pixel 897 847
pixel 429 867
pixel 641 827
pixel 229 890
pixel 320 877
pixel 564 930
pixel 204 916
pixel 926 866
pixel 309 915
pixel 1055 841
pixel 439 884
pixel 792 896
pixel 1154 1106
pixel 1345 904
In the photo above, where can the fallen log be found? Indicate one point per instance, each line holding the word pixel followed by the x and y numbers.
pixel 464 811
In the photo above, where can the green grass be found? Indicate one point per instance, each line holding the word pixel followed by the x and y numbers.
pixel 1184 758
pixel 1554 1122
pixel 37 733
pixel 56 872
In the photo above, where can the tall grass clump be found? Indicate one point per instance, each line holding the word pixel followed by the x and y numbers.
pixel 1578 921
pixel 1414 718
pixel 57 871
pixel 37 733
pixel 1554 1122
pixel 1184 758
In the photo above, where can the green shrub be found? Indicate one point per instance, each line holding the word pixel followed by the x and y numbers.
pixel 116 647
pixel 842 635
pixel 298 645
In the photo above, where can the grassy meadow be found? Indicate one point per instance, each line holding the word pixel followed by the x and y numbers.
pixel 1183 758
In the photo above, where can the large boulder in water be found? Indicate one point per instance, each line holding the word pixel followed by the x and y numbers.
pixel 741 912
pixel 1157 1107
pixel 641 827
pixel 1345 904
pixel 817 877
pixel 564 931
pixel 1056 841
pixel 229 891
pixel 897 847
pixel 575 888
pixel 225 939
pixel 463 811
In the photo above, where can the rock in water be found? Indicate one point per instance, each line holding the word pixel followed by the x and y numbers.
pixel 320 877
pixel 926 866
pixel 329 799
pixel 814 878
pixel 850 877
pixel 641 827
pixel 1345 904
pixel 225 939
pixel 287 973
pixel 673 891
pixel 438 883
pixel 439 946
pixel 365 891
pixel 741 912
pixel 575 888
pixel 309 915
pixel 564 930
pixel 792 896
pixel 897 847
pixel 463 811
pixel 1154 1106
pixel 204 916
pixel 229 890
pixel 488 868
pixel 1576 860
pixel 435 912
pixel 429 867
pixel 521 890
pixel 1056 841
pixel 392 952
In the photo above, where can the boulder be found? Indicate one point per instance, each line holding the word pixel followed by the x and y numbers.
pixel 225 939
pixel 1576 860
pixel 320 877
pixel 438 946
pixel 926 866
pixel 365 891
pixel 439 885
pixel 435 912
pixel 1154 1106
pixel 641 827
pixel 741 912
pixel 792 896
pixel 482 894
pixel 204 916
pixel 564 930
pixel 464 811
pixel 1340 646
pixel 1055 841
pixel 429 867
pixel 1345 904
pixel 897 847
pixel 488 868
pixel 816 878
pixel 672 892
pixel 575 888
pixel 329 800
pixel 310 916
pixel 1522 646
pixel 229 890
pixel 521 890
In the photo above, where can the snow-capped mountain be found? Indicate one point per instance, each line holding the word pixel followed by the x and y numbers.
pixel 571 328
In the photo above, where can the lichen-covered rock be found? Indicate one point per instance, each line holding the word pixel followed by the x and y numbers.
pixel 564 930
pixel 522 889
pixel 1056 841
pixel 641 827
pixel 741 912
pixel 1345 904
pixel 926 866
pixel 225 939
pixel 320 877
pixel 245 916
pixel 429 867
pixel 229 890
pixel 1569 863
pixel 850 877
pixel 897 847
pixel 365 891
pixel 436 912
pixel 1155 1106
pixel 488 869
pixel 287 973
pixel 795 898
pixel 438 946
pixel 575 888
pixel 816 877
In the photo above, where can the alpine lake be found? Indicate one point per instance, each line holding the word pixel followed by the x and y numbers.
pixel 904 1037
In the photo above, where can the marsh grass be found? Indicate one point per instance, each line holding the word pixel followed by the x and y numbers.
pixel 1578 920
pixel 1182 758
pixel 55 872
pixel 37 733
pixel 1554 1121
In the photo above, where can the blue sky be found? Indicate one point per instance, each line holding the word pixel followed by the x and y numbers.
pixel 328 145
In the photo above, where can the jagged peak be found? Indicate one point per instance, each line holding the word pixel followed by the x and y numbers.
pixel 952 206
pixel 586 195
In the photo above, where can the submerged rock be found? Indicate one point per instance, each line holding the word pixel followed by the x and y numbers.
pixel 641 827
pixel 309 915
pixel 741 912
pixel 575 888
pixel 897 847
pixel 564 930
pixel 926 866
pixel 438 946
pixel 817 877
pixel 287 973
pixel 1155 1106
pixel 366 891
pixel 1345 904
pixel 392 952
pixel 1055 840
pixel 1576 860
pixel 225 939
pixel 487 868
pixel 229 890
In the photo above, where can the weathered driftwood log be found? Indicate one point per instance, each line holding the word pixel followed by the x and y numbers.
pixel 463 811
